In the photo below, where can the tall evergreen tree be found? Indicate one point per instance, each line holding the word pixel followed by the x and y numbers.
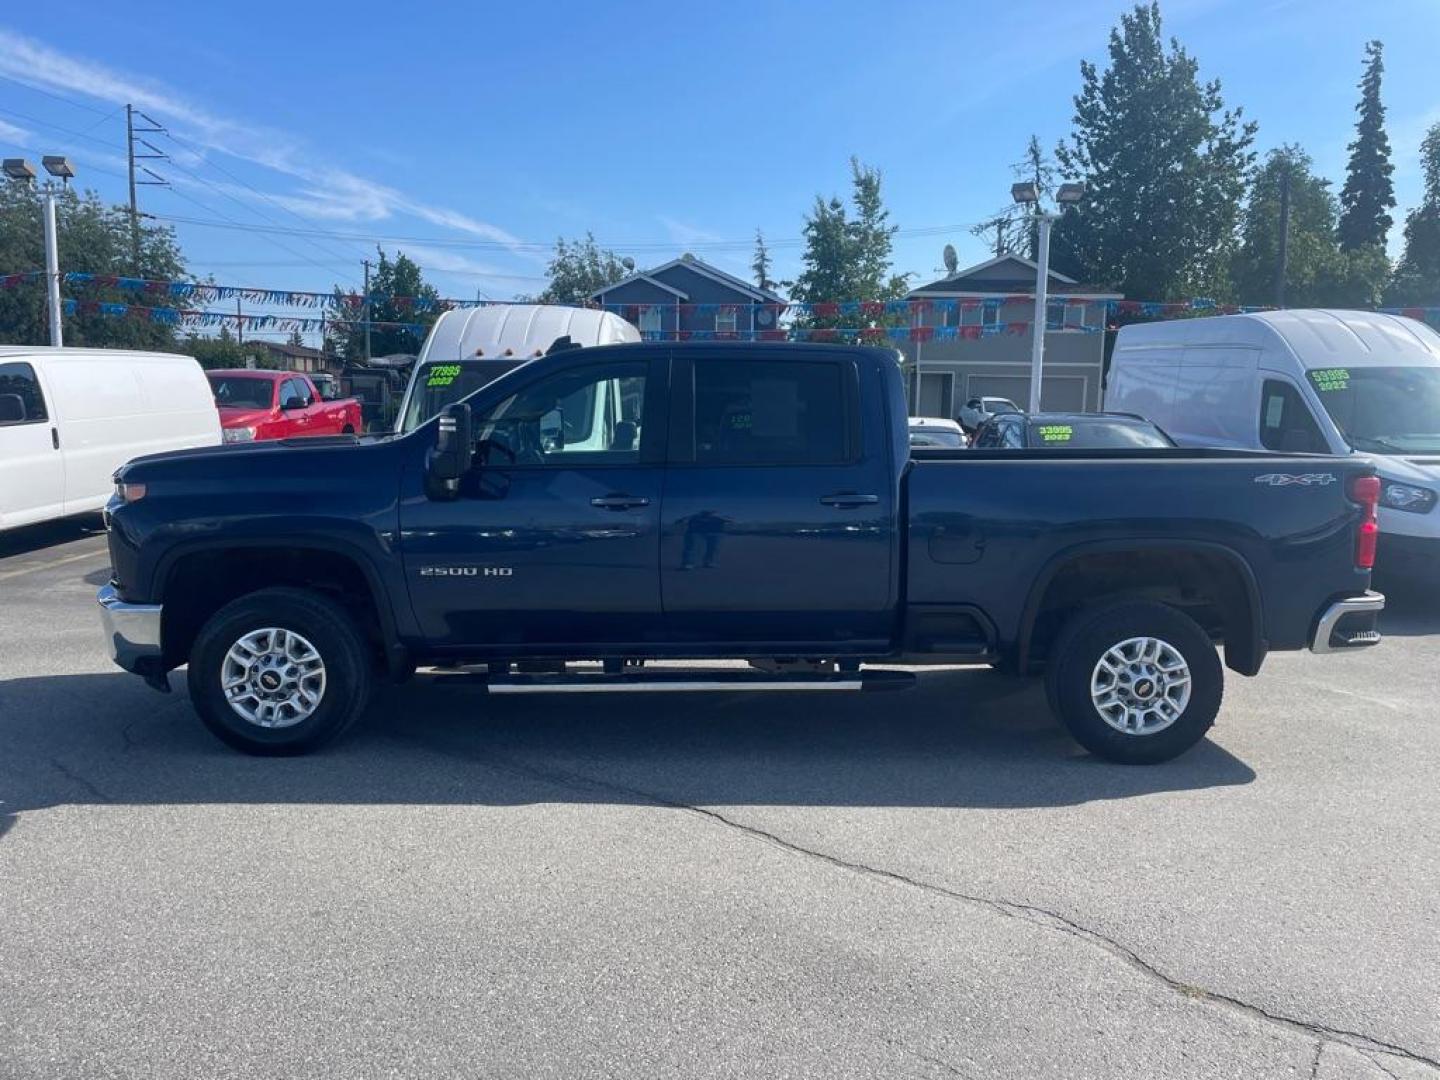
pixel 1417 278
pixel 1369 194
pixel 761 265
pixel 1165 164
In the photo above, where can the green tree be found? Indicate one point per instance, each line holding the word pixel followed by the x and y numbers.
pixel 849 257
pixel 579 268
pixel 91 238
pixel 394 287
pixel 761 264
pixel 1368 194
pixel 1417 278
pixel 222 350
pixel 1165 164
pixel 296 339
pixel 1313 256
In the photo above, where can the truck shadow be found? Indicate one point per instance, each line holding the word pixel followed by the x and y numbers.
pixel 49 534
pixel 963 738
pixel 1411 610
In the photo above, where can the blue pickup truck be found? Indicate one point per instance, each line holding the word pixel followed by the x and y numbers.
pixel 603 508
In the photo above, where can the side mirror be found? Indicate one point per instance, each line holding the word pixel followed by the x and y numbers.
pixel 453 453
pixel 291 402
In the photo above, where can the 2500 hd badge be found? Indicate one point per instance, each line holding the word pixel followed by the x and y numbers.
pixel 466 571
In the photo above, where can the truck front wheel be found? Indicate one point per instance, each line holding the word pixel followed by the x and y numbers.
pixel 1135 682
pixel 280 671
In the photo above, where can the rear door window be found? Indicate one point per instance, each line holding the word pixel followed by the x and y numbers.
pixel 1286 423
pixel 21 399
pixel 772 412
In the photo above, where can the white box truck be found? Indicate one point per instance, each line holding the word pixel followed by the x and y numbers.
pixel 1303 380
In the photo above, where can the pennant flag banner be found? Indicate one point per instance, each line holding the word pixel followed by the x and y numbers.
pixel 763 317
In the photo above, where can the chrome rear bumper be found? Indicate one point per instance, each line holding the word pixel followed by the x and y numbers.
pixel 1359 614
pixel 132 631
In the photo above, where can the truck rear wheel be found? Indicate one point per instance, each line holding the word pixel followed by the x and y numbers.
pixel 1135 682
pixel 280 671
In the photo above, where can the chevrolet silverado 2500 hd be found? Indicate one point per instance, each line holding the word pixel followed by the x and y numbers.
pixel 725 501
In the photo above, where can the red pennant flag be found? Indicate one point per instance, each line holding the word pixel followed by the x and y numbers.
pixel 873 309
pixel 826 309
pixel 970 333
pixel 922 333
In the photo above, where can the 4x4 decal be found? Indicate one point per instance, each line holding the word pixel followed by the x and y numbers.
pixel 1313 479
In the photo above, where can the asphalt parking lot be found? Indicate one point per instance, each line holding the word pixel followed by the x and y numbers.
pixel 935 883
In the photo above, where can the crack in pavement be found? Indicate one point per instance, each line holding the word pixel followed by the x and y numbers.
pixel 1030 913
pixel 70 774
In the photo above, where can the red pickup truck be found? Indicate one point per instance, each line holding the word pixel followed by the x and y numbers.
pixel 257 404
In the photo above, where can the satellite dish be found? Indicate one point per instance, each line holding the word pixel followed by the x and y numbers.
pixel 952 261
pixel 629 264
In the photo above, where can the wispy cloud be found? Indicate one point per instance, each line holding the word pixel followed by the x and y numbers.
pixel 682 232
pixel 322 190
pixel 12 134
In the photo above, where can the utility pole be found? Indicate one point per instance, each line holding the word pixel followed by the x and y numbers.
pixel 1282 267
pixel 131 138
pixel 366 310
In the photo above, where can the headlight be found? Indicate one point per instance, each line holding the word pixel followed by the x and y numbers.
pixel 129 493
pixel 238 434
pixel 1416 500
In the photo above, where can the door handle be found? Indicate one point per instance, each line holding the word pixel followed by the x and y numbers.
pixel 848 500
pixel 619 502
pixel 55 438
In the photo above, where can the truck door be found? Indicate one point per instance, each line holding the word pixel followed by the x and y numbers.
pixel 780 508
pixel 554 539
pixel 32 465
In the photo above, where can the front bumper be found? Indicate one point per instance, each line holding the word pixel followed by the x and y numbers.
pixel 1348 624
pixel 132 632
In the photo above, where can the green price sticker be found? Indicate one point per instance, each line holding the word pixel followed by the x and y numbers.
pixel 1327 379
pixel 1055 432
pixel 442 375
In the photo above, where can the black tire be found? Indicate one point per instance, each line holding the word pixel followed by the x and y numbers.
pixel 347 430
pixel 334 636
pixel 1076 655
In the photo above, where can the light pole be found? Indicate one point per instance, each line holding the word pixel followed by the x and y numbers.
pixel 1028 194
pixel 21 171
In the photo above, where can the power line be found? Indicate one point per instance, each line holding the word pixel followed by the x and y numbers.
pixel 50 94
pixel 249 187
pixel 535 246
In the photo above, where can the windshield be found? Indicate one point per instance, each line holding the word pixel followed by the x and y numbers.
pixel 936 437
pixel 1383 410
pixel 1098 434
pixel 440 384
pixel 240 392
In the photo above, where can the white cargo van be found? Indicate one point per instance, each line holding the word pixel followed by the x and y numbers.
pixel 70 417
pixel 471 347
pixel 1303 381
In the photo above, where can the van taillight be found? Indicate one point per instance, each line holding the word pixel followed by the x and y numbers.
pixel 1365 490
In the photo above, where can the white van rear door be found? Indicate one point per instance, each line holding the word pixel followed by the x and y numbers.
pixel 32 468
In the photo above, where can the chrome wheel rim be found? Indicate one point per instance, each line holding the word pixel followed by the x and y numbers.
pixel 1141 685
pixel 273 678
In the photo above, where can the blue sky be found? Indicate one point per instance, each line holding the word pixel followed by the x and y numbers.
pixel 485 131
